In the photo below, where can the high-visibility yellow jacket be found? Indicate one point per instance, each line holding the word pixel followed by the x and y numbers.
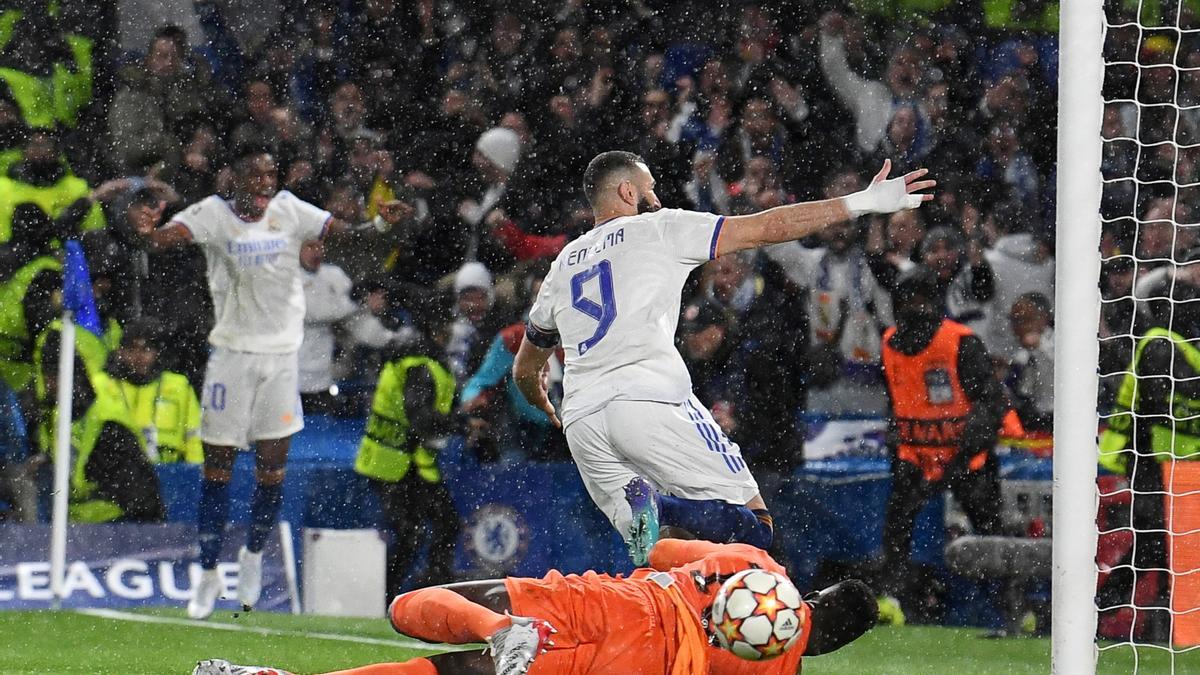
pixel 385 452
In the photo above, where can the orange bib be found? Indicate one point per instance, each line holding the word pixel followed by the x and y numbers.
pixel 928 402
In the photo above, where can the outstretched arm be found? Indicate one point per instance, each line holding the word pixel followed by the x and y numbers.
pixel 671 553
pixel 796 221
pixel 390 214
pixel 172 234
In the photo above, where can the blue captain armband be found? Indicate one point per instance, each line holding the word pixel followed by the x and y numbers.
pixel 540 338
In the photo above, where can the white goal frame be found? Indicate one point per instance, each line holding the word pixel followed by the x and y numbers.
pixel 1076 344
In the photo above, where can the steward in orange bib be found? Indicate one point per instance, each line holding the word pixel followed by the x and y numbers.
pixel 947 407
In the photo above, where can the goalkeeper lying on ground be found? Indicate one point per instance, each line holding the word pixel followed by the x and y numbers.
pixel 653 622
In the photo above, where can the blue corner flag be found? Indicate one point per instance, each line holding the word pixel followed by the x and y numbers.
pixel 77 289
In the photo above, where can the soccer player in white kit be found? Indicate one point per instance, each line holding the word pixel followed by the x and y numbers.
pixel 251 394
pixel 648 451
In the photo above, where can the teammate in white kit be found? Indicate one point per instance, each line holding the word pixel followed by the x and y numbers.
pixel 251 396
pixel 648 451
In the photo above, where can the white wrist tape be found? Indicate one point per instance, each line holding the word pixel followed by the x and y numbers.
pixel 887 196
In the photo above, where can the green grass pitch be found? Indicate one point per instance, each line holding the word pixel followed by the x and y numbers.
pixel 70 642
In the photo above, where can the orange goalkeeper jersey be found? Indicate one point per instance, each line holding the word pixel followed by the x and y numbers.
pixel 648 623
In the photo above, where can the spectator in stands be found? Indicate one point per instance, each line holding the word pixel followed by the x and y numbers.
pixel 410 415
pixel 202 159
pixel 497 152
pixel 1005 100
pixel 650 136
pixel 43 178
pixel 954 144
pixel 896 242
pixel 564 147
pixel 375 328
pixel 520 245
pixel 706 128
pixel 48 67
pixel 27 300
pixel 112 479
pixel 327 302
pixel 759 189
pixel 496 410
pixel 1030 376
pixel 1158 242
pixel 159 102
pixel 964 277
pixel 848 309
pixel 347 123
pixel 256 124
pixel 940 384
pixel 167 284
pixel 1022 261
pixel 1159 248
pixel 759 134
pixel 162 404
pixel 17 471
pixel 508 62
pixel 474 322
pixel 907 141
pixel 1006 163
pixel 393 53
pixel 443 147
pixel 755 374
pixel 109 266
pixel 871 102
pixel 706 190
pixel 368 167
pixel 703 332
pixel 92 346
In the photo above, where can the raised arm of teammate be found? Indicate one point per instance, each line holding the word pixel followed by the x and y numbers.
pixel 530 376
pixel 796 221
pixel 390 213
pixel 175 233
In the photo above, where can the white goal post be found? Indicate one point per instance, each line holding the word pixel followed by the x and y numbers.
pixel 1077 317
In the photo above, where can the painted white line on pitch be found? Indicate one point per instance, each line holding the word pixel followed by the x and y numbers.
pixel 118 615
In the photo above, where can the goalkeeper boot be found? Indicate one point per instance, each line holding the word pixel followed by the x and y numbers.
pixel 840 615
pixel 205 594
pixel 223 667
pixel 644 528
pixel 514 647
pixel 249 578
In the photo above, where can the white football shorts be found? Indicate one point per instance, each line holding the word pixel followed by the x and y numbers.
pixel 677 447
pixel 249 397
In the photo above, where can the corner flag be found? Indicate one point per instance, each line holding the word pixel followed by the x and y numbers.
pixel 77 289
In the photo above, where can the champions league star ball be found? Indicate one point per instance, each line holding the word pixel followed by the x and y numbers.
pixel 757 615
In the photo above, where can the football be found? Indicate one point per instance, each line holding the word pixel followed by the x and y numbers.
pixel 757 615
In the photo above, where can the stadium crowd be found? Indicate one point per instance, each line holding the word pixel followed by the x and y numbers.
pixel 482 116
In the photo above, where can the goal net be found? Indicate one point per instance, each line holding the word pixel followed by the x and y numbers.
pixel 1143 292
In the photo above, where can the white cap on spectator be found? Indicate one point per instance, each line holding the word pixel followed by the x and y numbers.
pixel 473 275
pixel 501 146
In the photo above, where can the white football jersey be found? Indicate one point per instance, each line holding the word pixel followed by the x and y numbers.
pixel 254 270
pixel 612 298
